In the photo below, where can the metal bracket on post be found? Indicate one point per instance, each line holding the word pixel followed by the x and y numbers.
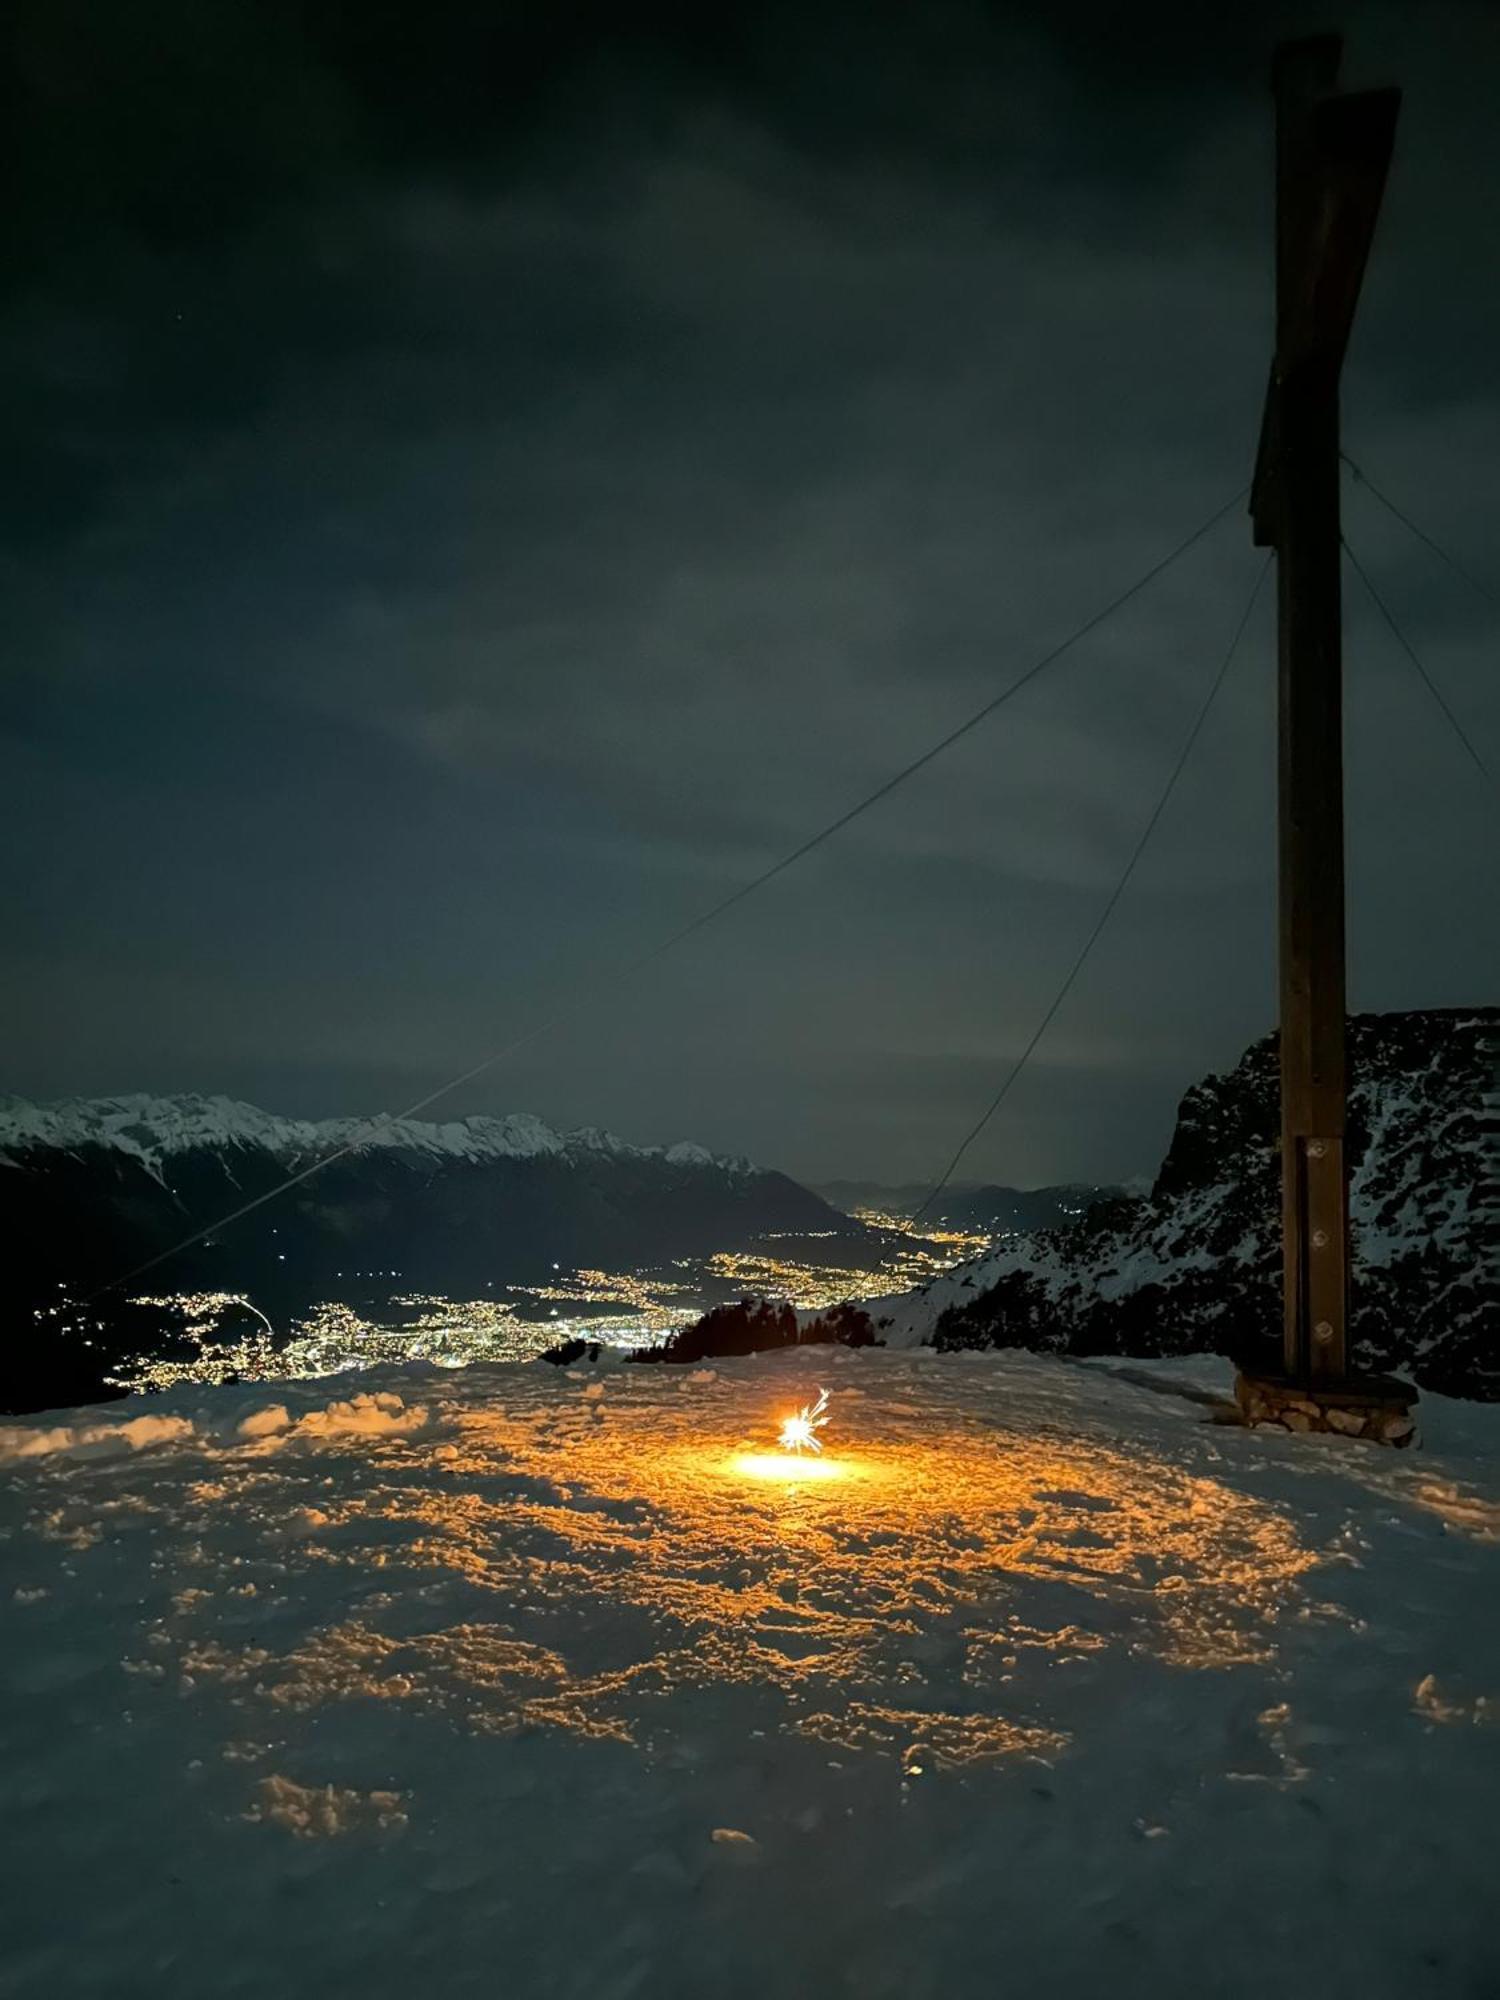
pixel 1325 1207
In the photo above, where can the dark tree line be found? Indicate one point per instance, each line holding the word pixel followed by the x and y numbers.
pixel 749 1326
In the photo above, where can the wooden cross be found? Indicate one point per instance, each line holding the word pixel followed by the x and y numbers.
pixel 1332 152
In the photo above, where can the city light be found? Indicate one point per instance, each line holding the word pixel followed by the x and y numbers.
pixel 208 1342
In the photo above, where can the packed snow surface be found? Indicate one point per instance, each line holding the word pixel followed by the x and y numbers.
pixel 533 1682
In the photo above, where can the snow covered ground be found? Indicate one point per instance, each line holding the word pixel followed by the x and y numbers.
pixel 526 1682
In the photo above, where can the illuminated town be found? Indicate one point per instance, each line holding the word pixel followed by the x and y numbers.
pixel 225 1337
pixel 915 1256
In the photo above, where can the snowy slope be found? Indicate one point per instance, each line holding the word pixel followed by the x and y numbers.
pixel 523 1682
pixel 1196 1264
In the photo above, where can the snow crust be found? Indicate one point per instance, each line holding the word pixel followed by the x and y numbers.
pixel 151 1129
pixel 517 1681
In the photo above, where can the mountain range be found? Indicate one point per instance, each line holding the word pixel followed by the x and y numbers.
pixel 91 1189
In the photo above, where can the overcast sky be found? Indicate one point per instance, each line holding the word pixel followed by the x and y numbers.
pixel 482 485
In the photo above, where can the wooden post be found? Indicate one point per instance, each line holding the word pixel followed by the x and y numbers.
pixel 1331 158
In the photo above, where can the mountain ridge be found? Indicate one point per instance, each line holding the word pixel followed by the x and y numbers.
pixel 151 1127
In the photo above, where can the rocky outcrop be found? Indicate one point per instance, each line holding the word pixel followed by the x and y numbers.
pixel 1195 1265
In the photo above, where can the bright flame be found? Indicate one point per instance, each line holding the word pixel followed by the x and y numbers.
pixel 800 1433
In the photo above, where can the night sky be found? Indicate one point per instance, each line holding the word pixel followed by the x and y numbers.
pixel 485 480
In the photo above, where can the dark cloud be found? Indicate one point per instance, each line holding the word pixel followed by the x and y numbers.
pixel 492 478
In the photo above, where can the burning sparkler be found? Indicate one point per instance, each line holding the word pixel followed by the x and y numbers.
pixel 800 1432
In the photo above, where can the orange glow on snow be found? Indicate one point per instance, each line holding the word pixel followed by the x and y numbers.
pixel 784 1465
pixel 715 1559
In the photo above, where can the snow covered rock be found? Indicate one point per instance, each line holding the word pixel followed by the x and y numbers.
pixel 1196 1263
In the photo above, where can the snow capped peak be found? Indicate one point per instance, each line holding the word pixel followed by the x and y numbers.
pixel 145 1126
pixel 686 1154
pixel 594 1139
pixel 519 1135
pixel 152 1129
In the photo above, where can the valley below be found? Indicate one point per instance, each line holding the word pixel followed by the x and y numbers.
pixel 222 1336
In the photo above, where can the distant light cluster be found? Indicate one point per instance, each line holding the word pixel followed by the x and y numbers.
pixel 334 1338
pixel 253 1356
pixel 960 1243
pixel 643 1295
pixel 618 1309
pixel 331 1339
pixel 815 1286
